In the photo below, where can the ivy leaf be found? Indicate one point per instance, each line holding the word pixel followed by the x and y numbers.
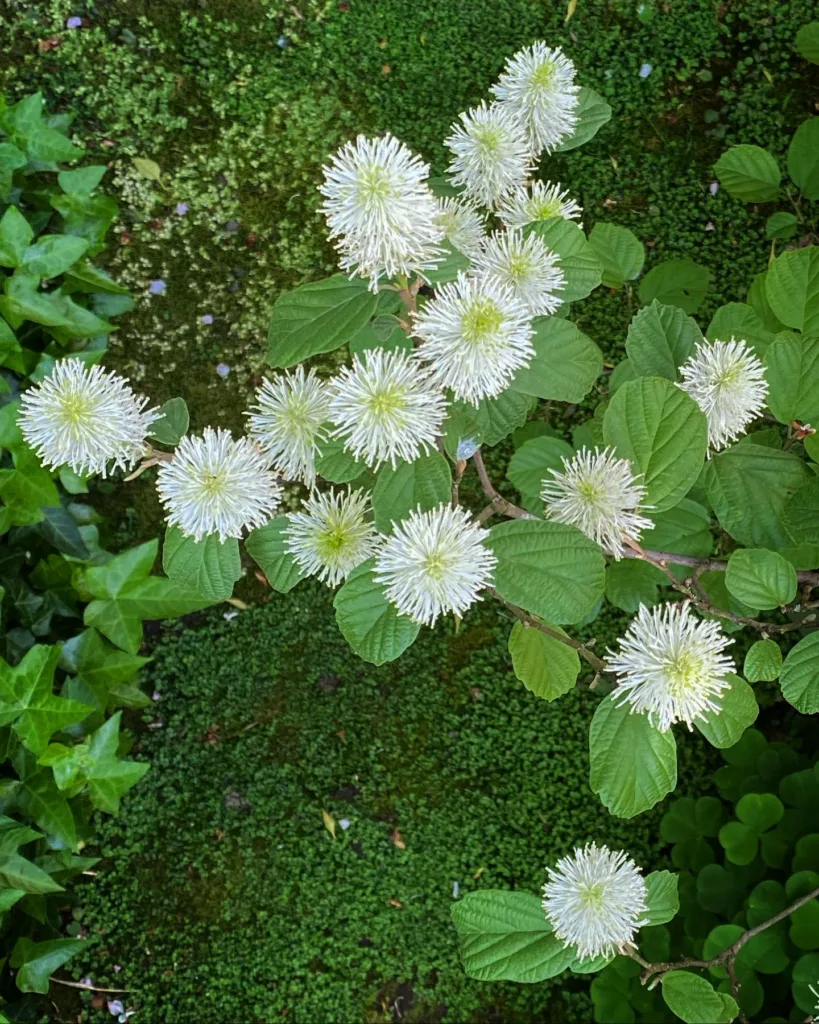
pixel 318 317
pixel 82 180
pixel 21 874
pixel 694 1000
pixel 37 961
pixel 738 711
pixel 207 567
pixel 506 936
pixel 100 667
pixel 40 799
pixel 267 546
pixel 662 432
pixel 633 765
pixel 27 702
pixel 15 235
pixel 368 622
pixel 28 488
pixel 547 568
pixel 545 666
pixel 52 255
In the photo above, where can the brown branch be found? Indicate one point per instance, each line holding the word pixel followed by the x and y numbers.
pixel 724 959
pixel 499 504
pixel 528 621
pixel 460 466
pixel 709 564
pixel 87 988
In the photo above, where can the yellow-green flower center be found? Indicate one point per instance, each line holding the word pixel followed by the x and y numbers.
pixel 589 492
pixel 213 484
pixel 331 542
pixel 592 895
pixel 520 266
pixel 435 565
pixel 388 402
pixel 487 138
pixel 545 209
pixel 683 672
pixel 374 186
pixel 543 76
pixel 481 321
pixel 75 410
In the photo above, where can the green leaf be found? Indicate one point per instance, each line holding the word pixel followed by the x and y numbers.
pixel 208 567
pixel 577 258
pixel 565 365
pixel 11 160
pixel 799 678
pixel 28 488
pixel 530 466
pixel 759 811
pixel 545 666
pixel 749 173
pixel 803 158
pixel 763 661
pixel 102 669
pixel 116 299
pixel 368 622
pixel 86 216
pixel 662 432
pixel 452 264
pixel 801 513
pixel 694 1000
pixel 622 373
pixel 633 765
pixel 630 583
pixel 58 528
pixel 19 873
pixel 592 113
pixel 680 283
pixel 738 710
pixel 662 899
pixel 781 225
pixel 39 799
pixel 805 973
pixel 52 255
pixel 24 123
pixel 15 235
pixel 804 929
pixel 497 418
pixel 146 168
pixel 82 180
pixel 736 319
pixel 760 578
pixel 424 483
pixel 748 486
pixel 757 299
pixel 807 46
pixel 336 465
pixel 37 961
pixel 792 372
pixel 173 425
pixel 507 936
pixel 682 530
pixel 550 569
pixel 52 309
pixel 268 547
pixel 318 317
pixel 384 332
pixel 660 339
pixel 792 287
pixel 620 252
pixel 27 702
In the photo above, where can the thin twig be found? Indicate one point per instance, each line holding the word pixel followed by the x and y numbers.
pixel 724 959
pixel 87 988
pixel 460 466
pixel 528 621
pixel 499 504
pixel 709 564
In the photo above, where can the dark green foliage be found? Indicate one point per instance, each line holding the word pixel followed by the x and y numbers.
pixel 221 868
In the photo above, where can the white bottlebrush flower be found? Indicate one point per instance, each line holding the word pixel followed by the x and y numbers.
pixel 215 485
pixel 82 417
pixel 286 422
pixel 541 202
pixel 380 208
pixel 595 900
pixel 491 154
pixel 386 407
pixel 476 334
pixel 727 382
pixel 526 266
pixel 599 494
pixel 435 562
pixel 671 665
pixel 331 535
pixel 463 226
pixel 537 85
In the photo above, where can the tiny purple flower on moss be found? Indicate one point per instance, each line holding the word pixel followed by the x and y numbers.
pixel 74 22
pixel 157 287
pixel 645 70
pixel 207 319
pixel 181 209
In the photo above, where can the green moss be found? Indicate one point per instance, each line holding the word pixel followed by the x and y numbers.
pixel 224 897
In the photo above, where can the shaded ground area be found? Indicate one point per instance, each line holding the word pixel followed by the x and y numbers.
pixel 223 896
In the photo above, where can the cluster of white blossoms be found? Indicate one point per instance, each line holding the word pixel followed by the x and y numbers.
pixel 671 666
pixel 601 495
pixel 85 418
pixel 595 900
pixel 727 382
